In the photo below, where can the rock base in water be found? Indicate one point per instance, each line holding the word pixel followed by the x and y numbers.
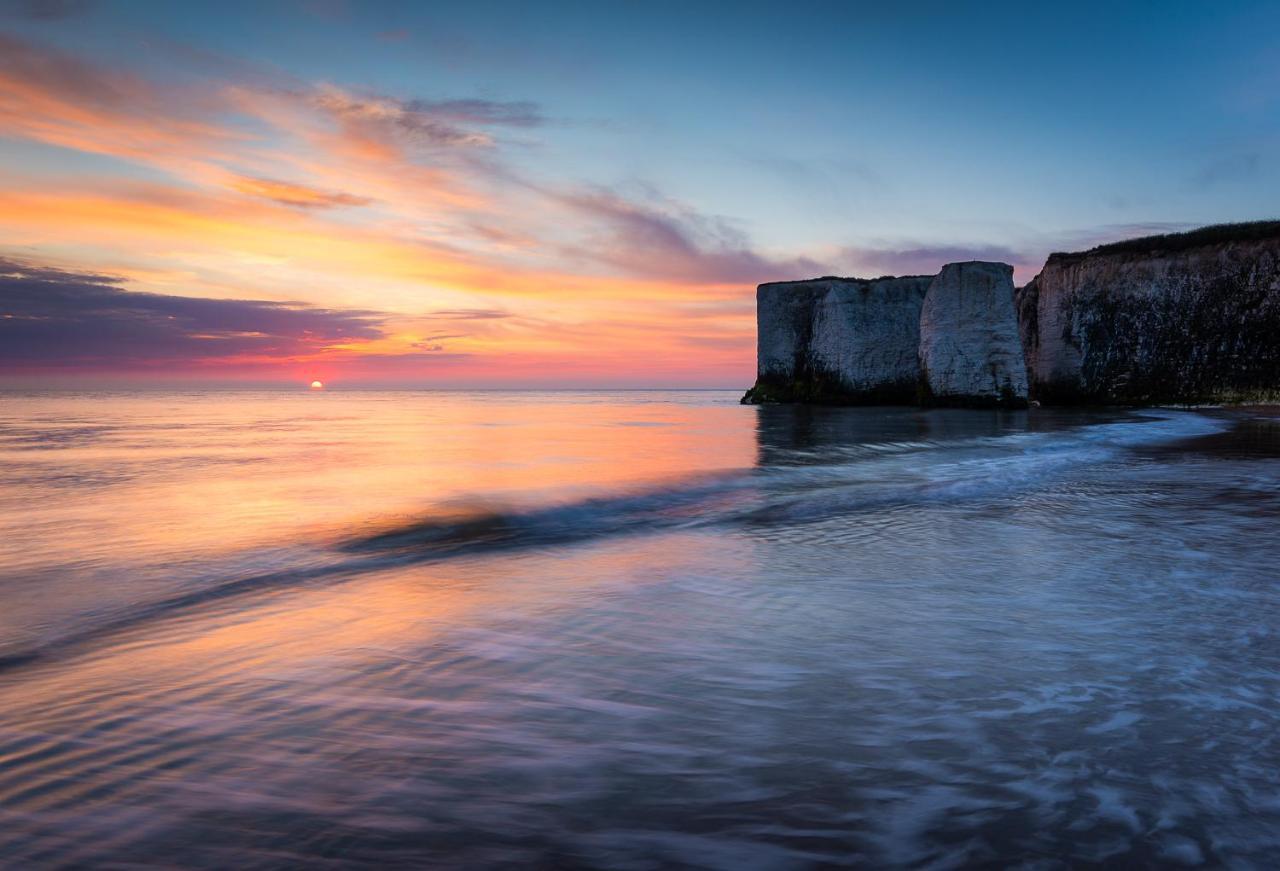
pixel 818 391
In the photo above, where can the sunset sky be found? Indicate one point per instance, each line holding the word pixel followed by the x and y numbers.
pixel 537 194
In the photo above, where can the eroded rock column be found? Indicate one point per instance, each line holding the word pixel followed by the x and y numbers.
pixel 970 350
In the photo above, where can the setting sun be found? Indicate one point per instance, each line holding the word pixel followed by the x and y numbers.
pixel 317 385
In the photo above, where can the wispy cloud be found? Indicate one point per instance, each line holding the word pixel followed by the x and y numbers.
pixel 50 96
pixel 263 188
pixel 468 314
pixel 387 122
pixel 484 112
pixel 665 241
pixel 299 195
pixel 927 259
pixel 198 129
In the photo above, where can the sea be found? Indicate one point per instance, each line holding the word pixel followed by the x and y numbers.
pixel 350 628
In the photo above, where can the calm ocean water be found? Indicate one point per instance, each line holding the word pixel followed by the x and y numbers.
pixel 633 630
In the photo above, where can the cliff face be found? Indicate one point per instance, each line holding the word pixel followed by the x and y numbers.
pixel 1181 319
pixel 1189 318
pixel 970 351
pixel 843 340
pixel 951 340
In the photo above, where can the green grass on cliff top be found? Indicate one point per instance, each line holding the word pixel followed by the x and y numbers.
pixel 1215 234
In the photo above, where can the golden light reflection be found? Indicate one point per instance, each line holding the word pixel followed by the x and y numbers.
pixel 294 472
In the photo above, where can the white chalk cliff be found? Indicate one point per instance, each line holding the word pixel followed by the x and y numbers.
pixel 852 339
pixel 946 339
pixel 970 351
pixel 1187 318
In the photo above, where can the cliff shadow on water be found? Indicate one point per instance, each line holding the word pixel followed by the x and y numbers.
pixel 799 434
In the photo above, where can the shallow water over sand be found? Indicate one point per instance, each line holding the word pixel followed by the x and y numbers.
pixel 633 630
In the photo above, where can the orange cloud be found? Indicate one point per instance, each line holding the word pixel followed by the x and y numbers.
pixel 298 195
pixel 48 96
pixel 348 200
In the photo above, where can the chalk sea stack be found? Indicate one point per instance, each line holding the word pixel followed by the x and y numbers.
pixel 970 351
pixel 1189 318
pixel 839 340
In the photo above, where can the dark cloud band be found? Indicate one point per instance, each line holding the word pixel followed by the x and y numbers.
pixel 55 318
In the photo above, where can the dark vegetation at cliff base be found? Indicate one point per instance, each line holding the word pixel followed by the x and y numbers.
pixel 1007 398
pixel 829 390
pixel 815 389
